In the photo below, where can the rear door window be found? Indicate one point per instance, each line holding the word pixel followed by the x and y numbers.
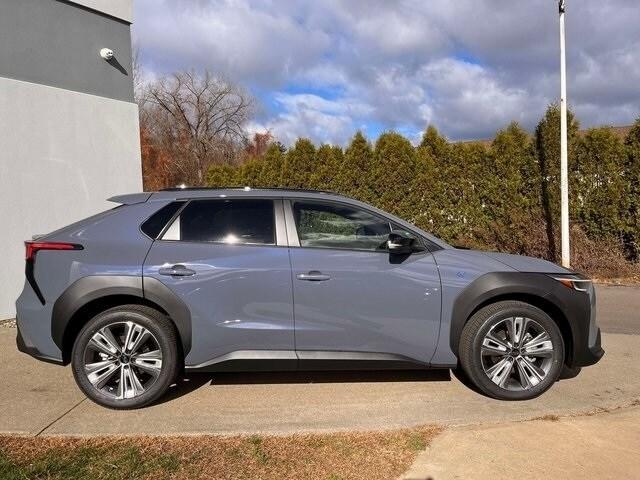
pixel 233 221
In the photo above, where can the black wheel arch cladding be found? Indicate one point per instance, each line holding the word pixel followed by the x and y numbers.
pixel 93 288
pixel 570 309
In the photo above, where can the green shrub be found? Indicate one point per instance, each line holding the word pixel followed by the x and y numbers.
pixel 503 196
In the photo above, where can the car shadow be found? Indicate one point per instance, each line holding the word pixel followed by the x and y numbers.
pixel 462 377
pixel 193 381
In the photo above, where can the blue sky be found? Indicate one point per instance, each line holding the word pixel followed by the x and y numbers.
pixel 324 69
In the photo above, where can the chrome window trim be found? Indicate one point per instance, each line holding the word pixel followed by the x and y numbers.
pixel 292 231
pixel 281 224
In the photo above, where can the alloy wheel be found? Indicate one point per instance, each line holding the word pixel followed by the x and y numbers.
pixel 122 360
pixel 517 353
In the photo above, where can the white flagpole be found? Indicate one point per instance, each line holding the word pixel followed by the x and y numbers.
pixel 564 171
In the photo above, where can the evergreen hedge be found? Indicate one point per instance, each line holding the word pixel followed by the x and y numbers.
pixel 503 196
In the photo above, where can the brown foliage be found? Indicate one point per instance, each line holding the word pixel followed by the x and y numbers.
pixel 257 147
pixel 354 455
pixel 193 121
pixel 156 171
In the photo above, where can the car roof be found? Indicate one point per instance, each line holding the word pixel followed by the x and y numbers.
pixel 188 193
pixel 200 192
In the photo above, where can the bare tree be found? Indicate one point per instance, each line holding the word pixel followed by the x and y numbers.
pixel 257 146
pixel 199 121
pixel 137 75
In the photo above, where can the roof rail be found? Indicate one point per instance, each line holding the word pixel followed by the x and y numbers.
pixel 248 189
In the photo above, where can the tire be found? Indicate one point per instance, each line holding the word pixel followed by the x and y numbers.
pixel 132 377
pixel 503 365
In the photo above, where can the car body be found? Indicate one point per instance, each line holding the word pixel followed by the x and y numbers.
pixel 274 279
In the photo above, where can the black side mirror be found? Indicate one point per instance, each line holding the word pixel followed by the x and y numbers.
pixel 400 243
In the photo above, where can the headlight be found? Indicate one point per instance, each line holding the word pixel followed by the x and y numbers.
pixel 574 282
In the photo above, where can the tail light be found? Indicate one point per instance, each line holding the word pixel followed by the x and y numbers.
pixel 32 248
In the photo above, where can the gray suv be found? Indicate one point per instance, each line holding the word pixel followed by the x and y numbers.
pixel 267 279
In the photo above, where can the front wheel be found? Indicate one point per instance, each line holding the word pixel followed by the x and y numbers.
pixel 125 357
pixel 511 350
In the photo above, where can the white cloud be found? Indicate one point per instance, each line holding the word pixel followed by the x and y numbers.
pixel 311 116
pixel 468 66
pixel 228 36
pixel 467 99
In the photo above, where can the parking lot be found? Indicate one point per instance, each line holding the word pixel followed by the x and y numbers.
pixel 42 399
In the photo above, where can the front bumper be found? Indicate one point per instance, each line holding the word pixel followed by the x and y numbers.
pixel 583 357
pixel 579 308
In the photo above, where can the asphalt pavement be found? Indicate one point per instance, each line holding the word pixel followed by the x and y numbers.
pixel 618 309
pixel 42 399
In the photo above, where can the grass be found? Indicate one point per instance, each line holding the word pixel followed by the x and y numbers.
pixel 336 456
pixel 118 461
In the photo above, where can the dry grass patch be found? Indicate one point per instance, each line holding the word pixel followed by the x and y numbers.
pixel 547 418
pixel 358 455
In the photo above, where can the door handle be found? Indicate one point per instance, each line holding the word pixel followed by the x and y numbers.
pixel 177 271
pixel 313 276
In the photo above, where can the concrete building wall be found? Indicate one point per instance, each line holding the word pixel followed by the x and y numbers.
pixel 122 9
pixel 68 126
pixel 58 44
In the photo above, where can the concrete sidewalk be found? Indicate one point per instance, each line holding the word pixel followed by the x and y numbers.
pixel 602 446
pixel 38 398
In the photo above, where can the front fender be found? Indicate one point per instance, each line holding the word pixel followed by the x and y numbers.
pixel 569 308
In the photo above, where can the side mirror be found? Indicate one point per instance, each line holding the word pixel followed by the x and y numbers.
pixel 401 243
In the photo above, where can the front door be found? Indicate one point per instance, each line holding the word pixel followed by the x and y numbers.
pixel 351 295
pixel 227 260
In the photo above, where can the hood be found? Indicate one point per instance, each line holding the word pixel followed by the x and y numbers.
pixel 526 264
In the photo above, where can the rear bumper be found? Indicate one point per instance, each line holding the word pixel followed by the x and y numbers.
pixel 34 328
pixel 26 347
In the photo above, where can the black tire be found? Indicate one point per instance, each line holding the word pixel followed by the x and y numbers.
pixel 164 335
pixel 481 323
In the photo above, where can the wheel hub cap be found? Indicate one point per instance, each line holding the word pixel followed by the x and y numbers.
pixel 517 353
pixel 123 360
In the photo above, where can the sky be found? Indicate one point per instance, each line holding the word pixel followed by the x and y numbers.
pixel 323 69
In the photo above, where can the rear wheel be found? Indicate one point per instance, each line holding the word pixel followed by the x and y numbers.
pixel 125 357
pixel 511 350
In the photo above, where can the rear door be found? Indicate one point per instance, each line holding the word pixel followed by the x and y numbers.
pixel 351 295
pixel 227 259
